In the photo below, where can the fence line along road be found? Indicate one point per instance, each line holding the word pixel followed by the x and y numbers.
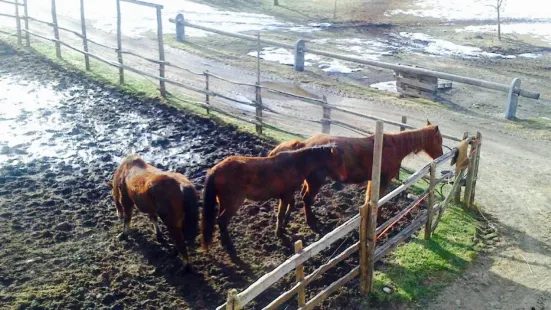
pixel 300 49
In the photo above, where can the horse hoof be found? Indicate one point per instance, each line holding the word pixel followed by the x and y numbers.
pixel 122 236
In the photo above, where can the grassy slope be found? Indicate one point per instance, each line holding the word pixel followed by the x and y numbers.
pixel 431 264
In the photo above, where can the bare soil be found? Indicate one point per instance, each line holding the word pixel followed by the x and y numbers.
pixel 58 225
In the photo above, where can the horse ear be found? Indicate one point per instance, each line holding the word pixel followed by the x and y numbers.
pixel 437 130
pixel 428 123
pixel 109 183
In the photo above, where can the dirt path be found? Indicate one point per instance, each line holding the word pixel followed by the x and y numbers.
pixel 513 187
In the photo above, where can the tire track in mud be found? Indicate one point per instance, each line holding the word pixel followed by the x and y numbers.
pixel 63 136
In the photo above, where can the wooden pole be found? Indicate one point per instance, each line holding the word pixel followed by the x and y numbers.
pixel 207 87
pixel 430 206
pixel 475 167
pixel 162 85
pixel 326 122
pixel 258 89
pixel 18 23
pixel 56 31
pixel 26 12
pixel 457 198
pixel 470 175
pixel 404 121
pixel 367 286
pixel 232 301
pixel 84 38
pixel 299 272
pixel 119 42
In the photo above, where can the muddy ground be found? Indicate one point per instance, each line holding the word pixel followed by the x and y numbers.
pixel 63 136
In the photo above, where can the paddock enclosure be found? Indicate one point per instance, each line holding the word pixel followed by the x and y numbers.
pixel 63 135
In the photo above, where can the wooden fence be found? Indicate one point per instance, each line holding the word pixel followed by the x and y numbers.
pixel 365 219
pixel 369 233
pixel 417 76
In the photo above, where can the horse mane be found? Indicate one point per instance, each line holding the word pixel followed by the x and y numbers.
pixel 134 160
pixel 412 141
pixel 315 148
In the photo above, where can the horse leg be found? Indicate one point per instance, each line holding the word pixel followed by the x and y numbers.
pixel 127 205
pixel 156 228
pixel 228 207
pixel 175 232
pixel 284 203
pixel 314 185
pixel 290 208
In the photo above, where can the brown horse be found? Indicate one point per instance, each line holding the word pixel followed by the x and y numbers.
pixel 169 195
pixel 237 178
pixel 358 159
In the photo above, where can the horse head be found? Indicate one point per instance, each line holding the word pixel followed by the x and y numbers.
pixel 433 141
pixel 335 159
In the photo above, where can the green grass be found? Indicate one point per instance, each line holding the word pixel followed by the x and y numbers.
pixel 419 269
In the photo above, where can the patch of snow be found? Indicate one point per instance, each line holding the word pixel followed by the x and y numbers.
pixel 336 66
pixel 283 56
pixel 389 86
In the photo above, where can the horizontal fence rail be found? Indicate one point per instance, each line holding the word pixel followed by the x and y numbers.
pixel 300 49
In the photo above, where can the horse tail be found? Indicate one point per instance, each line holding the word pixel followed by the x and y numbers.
pixel 190 229
pixel 209 211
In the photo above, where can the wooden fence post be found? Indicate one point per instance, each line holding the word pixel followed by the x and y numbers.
pixel 299 272
pixel 512 99
pixel 56 31
pixel 207 90
pixel 119 43
pixel 258 108
pixel 160 40
pixel 470 174
pixel 84 38
pixel 368 263
pixel 180 28
pixel 258 88
pixel 18 22
pixel 404 121
pixel 475 167
pixel 326 121
pixel 299 55
pixel 26 12
pixel 430 205
pixel 457 198
pixel 232 303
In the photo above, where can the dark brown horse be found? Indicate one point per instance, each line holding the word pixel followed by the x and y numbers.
pixel 358 159
pixel 237 178
pixel 169 195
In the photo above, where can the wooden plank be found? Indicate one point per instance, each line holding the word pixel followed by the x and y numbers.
pixel 321 296
pixel 26 12
pixel 119 43
pixel 207 87
pixel 457 197
pixel 18 23
pixel 418 84
pixel 11 2
pixel 311 277
pixel 374 204
pixel 470 175
pixel 416 93
pixel 299 275
pixel 456 187
pixel 56 31
pixel 84 39
pixel 275 275
pixel 400 237
pixel 404 121
pixel 476 165
pixel 430 204
pixel 162 86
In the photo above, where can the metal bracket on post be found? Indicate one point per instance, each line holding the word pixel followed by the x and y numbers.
pixel 512 99
pixel 180 30
pixel 299 55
